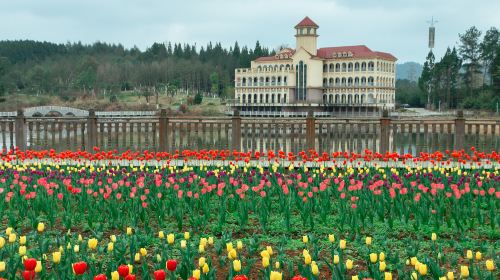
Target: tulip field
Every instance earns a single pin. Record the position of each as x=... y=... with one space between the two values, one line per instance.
x=234 y=215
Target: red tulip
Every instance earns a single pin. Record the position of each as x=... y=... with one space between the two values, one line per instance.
x=79 y=268
x=29 y=264
x=130 y=277
x=160 y=274
x=100 y=277
x=299 y=277
x=171 y=265
x=240 y=277
x=123 y=270
x=29 y=274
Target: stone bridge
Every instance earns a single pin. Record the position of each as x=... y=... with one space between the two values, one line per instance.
x=61 y=111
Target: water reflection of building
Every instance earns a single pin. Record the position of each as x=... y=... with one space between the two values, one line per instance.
x=331 y=81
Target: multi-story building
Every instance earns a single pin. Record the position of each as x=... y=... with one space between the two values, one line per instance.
x=329 y=81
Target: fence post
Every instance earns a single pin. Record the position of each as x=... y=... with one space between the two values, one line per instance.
x=163 y=130
x=385 y=132
x=91 y=131
x=20 y=130
x=236 y=131
x=459 y=130
x=310 y=131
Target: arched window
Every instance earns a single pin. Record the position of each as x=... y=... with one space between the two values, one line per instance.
x=272 y=98
x=324 y=82
x=344 y=67
x=356 y=81
x=363 y=81
x=337 y=98
x=279 y=80
x=362 y=98
x=330 y=82
x=255 y=98
x=337 y=82
x=370 y=81
x=324 y=98
x=279 y=98
x=255 y=81
x=371 y=66
x=267 y=98
x=349 y=99
x=343 y=99
x=337 y=67
x=259 y=68
x=261 y=98
x=356 y=66
x=344 y=81
x=349 y=81
x=349 y=67
x=363 y=66
x=356 y=98
x=331 y=67
x=244 y=98
x=287 y=67
x=325 y=68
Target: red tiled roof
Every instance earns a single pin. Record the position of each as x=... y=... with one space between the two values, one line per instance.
x=357 y=52
x=306 y=22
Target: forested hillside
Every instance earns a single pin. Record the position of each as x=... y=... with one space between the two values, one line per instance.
x=75 y=69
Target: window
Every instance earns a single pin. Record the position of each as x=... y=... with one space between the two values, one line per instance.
x=301 y=78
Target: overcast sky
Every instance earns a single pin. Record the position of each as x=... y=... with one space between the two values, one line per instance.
x=395 y=26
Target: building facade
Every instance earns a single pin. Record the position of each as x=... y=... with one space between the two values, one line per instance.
x=332 y=81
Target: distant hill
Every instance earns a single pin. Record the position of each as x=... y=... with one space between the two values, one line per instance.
x=408 y=71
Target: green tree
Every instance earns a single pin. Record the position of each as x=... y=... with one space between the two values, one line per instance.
x=426 y=80
x=214 y=83
x=470 y=52
x=489 y=47
x=198 y=98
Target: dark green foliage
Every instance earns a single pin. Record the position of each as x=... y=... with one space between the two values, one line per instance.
x=48 y=68
x=198 y=98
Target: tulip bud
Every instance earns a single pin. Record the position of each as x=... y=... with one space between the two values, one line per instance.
x=196 y=274
x=331 y=238
x=76 y=248
x=434 y=236
x=265 y=262
x=373 y=257
x=40 y=227
x=129 y=231
x=450 y=275
x=206 y=269
x=201 y=262
x=161 y=235
x=342 y=244
x=186 y=235
x=237 y=265
x=464 y=271
x=336 y=259
x=158 y=257
x=314 y=269
x=22 y=240
x=382 y=266
x=183 y=244
x=368 y=241
x=469 y=254
x=113 y=238
x=349 y=264
x=137 y=257
x=56 y=257
x=2 y=266
x=111 y=246
x=277 y=265
x=490 y=265
x=381 y=256
x=478 y=256
x=269 y=249
x=170 y=238
x=38 y=267
x=22 y=250
x=387 y=276
x=201 y=248
x=355 y=277
x=143 y=252
x=239 y=245
x=211 y=240
x=2 y=242
x=305 y=239
x=307 y=259
x=12 y=237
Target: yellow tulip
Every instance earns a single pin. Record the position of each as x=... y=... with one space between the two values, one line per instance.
x=206 y=269
x=80 y=238
x=237 y=265
x=111 y=246
x=201 y=248
x=8 y=230
x=183 y=244
x=76 y=248
x=12 y=237
x=336 y=259
x=40 y=227
x=305 y=239
x=414 y=276
x=129 y=231
x=2 y=242
x=201 y=262
x=170 y=238
x=450 y=275
x=413 y=260
x=232 y=254
x=22 y=250
x=92 y=243
x=277 y=265
x=443 y=278
x=387 y=276
x=373 y=257
x=381 y=256
x=355 y=277
x=343 y=244
x=143 y=252
x=115 y=275
x=368 y=240
x=307 y=259
x=211 y=240
x=239 y=245
x=22 y=240
x=186 y=235
x=203 y=241
x=137 y=257
x=2 y=266
x=265 y=254
x=382 y=266
x=269 y=249
x=161 y=235
x=158 y=257
x=434 y=236
x=464 y=271
x=229 y=246
x=331 y=238
x=56 y=257
x=196 y=274
x=469 y=254
x=275 y=275
x=113 y=238
x=349 y=264
x=478 y=256
x=38 y=267
x=422 y=269
x=265 y=262
x=490 y=265
x=130 y=268
x=314 y=269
